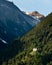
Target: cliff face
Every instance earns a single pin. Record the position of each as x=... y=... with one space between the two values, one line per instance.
x=13 y=22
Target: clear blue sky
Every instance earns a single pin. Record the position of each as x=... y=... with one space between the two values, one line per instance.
x=42 y=6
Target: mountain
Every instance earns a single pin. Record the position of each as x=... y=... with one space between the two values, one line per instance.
x=35 y=14
x=13 y=22
x=40 y=39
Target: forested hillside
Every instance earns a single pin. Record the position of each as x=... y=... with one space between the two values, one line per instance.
x=20 y=52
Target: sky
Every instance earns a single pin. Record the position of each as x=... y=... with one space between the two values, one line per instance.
x=42 y=6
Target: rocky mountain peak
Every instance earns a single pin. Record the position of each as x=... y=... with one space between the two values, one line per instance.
x=35 y=14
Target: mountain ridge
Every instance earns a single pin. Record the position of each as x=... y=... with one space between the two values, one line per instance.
x=40 y=38
x=13 y=22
